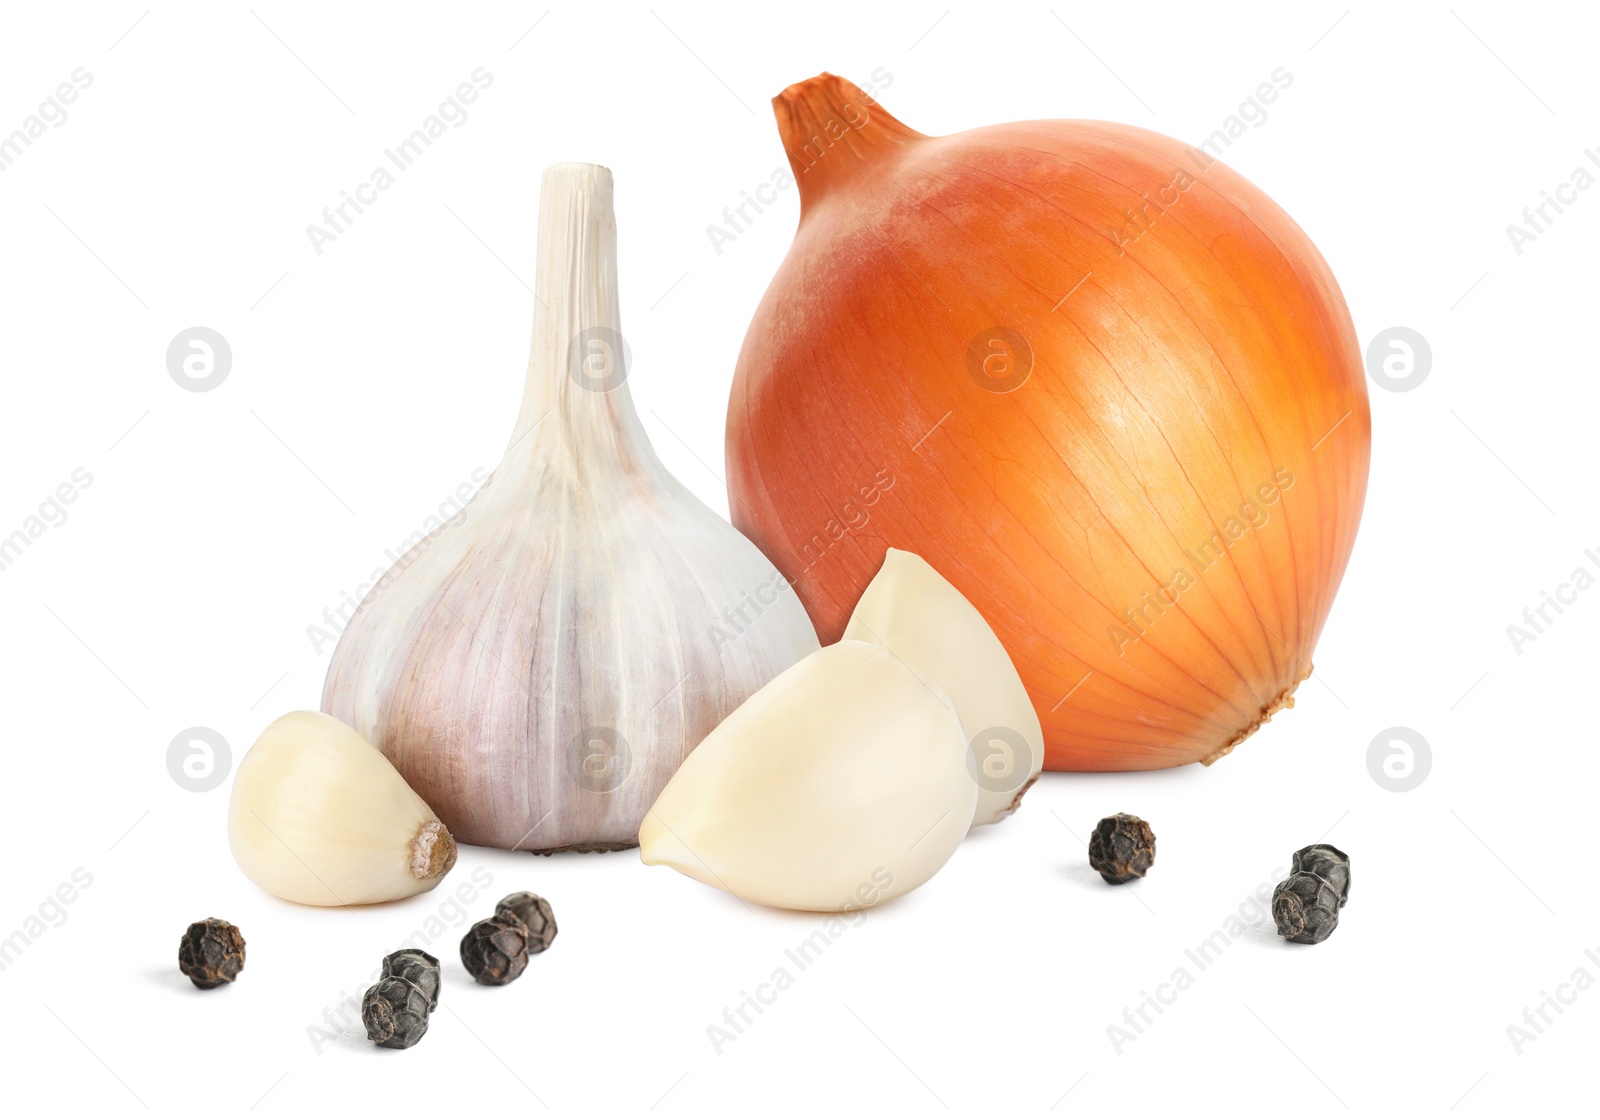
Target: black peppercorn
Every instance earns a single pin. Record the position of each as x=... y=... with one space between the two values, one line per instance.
x=211 y=953
x=533 y=912
x=495 y=951
x=395 y=1009
x=420 y=969
x=1122 y=848
x=395 y=1012
x=1327 y=862
x=1306 y=905
x=1306 y=908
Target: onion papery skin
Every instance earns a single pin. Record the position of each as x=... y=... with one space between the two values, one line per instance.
x=1193 y=404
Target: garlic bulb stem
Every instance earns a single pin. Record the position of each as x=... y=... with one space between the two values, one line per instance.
x=577 y=363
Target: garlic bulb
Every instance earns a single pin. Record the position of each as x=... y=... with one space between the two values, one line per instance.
x=839 y=785
x=318 y=816
x=539 y=668
x=914 y=611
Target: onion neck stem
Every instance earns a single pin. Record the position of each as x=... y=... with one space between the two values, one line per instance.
x=834 y=133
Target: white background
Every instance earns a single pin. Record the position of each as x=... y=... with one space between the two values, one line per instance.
x=369 y=381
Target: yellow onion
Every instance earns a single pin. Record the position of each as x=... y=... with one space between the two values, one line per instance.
x=1100 y=382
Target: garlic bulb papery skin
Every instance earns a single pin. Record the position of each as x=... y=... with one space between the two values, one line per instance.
x=319 y=816
x=540 y=667
x=925 y=621
x=841 y=784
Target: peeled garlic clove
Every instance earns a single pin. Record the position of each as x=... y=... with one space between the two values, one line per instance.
x=319 y=816
x=539 y=666
x=839 y=785
x=925 y=621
